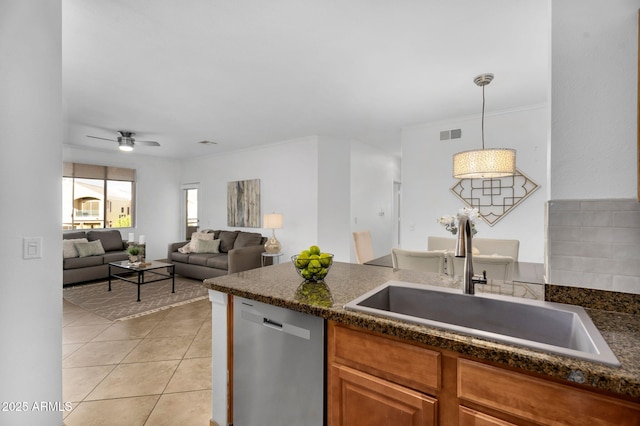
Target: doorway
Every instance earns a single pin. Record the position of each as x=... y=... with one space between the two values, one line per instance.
x=190 y=209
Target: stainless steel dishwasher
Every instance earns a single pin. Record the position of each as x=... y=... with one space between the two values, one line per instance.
x=278 y=366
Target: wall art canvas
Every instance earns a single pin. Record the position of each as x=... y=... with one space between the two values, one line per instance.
x=243 y=203
x=495 y=197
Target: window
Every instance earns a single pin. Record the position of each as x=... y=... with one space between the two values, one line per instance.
x=97 y=196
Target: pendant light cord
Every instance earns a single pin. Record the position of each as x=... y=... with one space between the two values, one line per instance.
x=483 y=116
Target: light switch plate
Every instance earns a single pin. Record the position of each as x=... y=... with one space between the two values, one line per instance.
x=32 y=247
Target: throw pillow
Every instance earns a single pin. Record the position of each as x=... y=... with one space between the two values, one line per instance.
x=69 y=249
x=206 y=246
x=202 y=235
x=228 y=238
x=247 y=239
x=91 y=248
x=188 y=248
x=185 y=249
x=111 y=240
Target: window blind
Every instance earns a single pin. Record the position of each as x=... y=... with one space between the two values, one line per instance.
x=92 y=171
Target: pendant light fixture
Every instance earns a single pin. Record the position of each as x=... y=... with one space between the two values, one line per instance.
x=484 y=163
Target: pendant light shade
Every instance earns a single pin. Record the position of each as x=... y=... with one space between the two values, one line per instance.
x=484 y=163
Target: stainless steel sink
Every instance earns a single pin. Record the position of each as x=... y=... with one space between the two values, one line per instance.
x=552 y=327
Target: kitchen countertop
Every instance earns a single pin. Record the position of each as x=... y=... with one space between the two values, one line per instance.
x=280 y=285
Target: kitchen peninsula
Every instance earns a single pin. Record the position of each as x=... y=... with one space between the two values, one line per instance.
x=457 y=378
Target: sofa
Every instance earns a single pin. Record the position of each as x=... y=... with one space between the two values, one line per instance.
x=86 y=254
x=212 y=253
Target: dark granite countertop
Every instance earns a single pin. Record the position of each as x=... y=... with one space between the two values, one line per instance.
x=280 y=285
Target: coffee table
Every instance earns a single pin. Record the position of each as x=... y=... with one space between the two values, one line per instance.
x=138 y=271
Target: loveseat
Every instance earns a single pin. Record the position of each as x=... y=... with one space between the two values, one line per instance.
x=86 y=254
x=212 y=253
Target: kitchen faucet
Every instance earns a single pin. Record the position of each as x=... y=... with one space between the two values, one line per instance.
x=464 y=248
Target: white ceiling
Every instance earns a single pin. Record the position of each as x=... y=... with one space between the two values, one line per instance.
x=249 y=72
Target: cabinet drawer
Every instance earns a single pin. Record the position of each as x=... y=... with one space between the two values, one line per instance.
x=538 y=400
x=469 y=417
x=394 y=360
x=357 y=398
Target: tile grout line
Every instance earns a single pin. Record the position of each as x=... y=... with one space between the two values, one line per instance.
x=175 y=371
x=203 y=320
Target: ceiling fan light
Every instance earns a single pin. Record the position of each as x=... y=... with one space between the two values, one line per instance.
x=484 y=163
x=125 y=144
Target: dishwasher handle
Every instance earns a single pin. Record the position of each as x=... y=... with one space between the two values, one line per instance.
x=294 y=330
x=271 y=324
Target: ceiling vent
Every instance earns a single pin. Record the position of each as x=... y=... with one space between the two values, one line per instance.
x=446 y=135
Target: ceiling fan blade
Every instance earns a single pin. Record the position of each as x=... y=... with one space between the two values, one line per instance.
x=104 y=139
x=148 y=143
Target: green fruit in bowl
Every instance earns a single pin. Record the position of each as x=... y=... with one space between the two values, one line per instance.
x=312 y=264
x=325 y=259
x=321 y=273
x=302 y=262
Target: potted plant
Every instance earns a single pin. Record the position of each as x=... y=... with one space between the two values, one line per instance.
x=133 y=251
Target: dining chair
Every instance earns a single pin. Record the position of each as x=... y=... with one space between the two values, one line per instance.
x=497 y=246
x=481 y=246
x=440 y=243
x=497 y=267
x=363 y=246
x=429 y=261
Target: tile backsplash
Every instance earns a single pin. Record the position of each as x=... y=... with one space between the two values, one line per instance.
x=594 y=244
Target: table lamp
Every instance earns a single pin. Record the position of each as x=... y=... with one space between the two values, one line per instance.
x=272 y=221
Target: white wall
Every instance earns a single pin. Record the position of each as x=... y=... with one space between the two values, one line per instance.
x=334 y=195
x=158 y=204
x=593 y=214
x=427 y=168
x=372 y=175
x=307 y=180
x=594 y=99
x=30 y=170
x=288 y=174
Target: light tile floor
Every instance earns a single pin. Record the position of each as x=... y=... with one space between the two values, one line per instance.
x=151 y=370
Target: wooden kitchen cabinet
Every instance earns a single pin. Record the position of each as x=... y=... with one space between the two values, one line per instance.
x=539 y=400
x=469 y=417
x=374 y=379
x=359 y=398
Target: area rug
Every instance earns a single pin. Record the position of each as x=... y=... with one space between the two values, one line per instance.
x=120 y=303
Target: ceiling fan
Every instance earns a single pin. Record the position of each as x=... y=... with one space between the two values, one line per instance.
x=126 y=140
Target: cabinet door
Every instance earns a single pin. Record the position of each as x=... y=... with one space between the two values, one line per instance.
x=357 y=398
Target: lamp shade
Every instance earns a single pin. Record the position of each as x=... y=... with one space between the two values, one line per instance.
x=272 y=221
x=484 y=163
